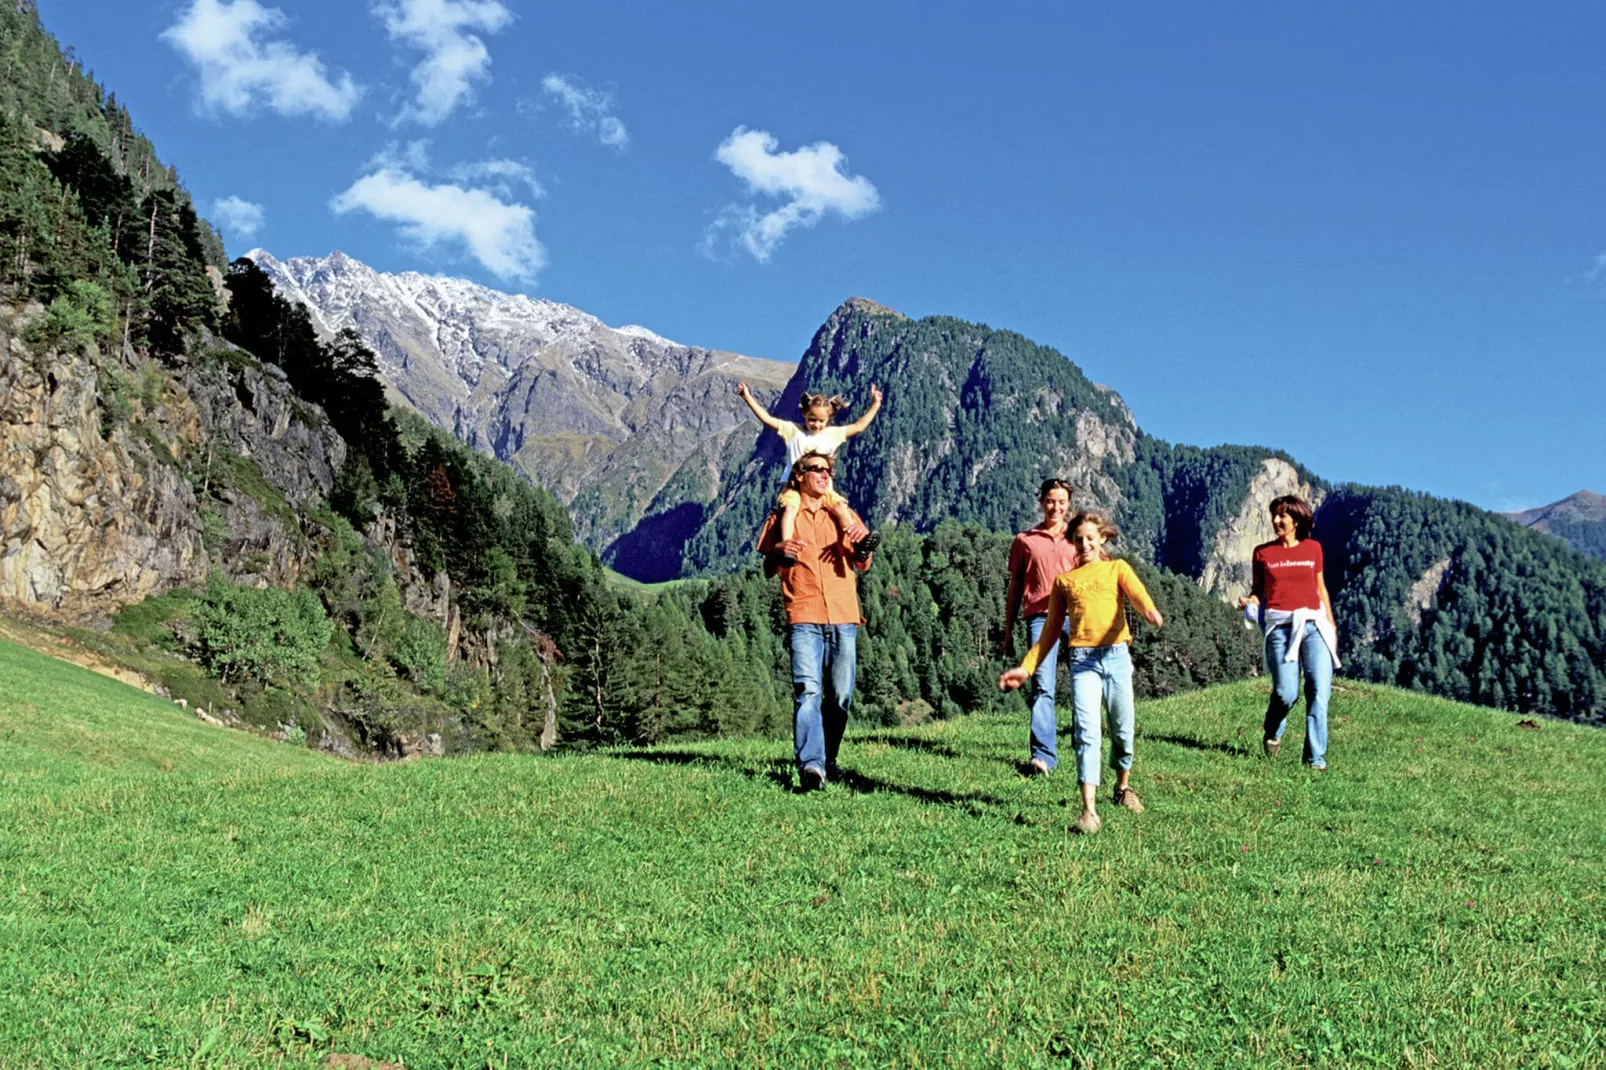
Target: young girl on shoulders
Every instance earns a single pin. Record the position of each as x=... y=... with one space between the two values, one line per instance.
x=817 y=435
x=1092 y=598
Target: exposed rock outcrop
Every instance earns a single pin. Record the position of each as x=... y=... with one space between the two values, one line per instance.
x=120 y=481
x=1227 y=566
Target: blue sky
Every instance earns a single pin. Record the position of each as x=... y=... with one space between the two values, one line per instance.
x=1369 y=234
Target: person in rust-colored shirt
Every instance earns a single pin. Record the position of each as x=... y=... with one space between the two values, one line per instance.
x=819 y=588
x=1037 y=557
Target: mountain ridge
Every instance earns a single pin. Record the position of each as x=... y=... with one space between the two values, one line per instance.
x=578 y=405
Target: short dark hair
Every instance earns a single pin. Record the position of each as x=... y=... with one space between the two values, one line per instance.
x=1055 y=484
x=1299 y=509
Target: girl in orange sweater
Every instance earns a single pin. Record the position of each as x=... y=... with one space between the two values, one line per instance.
x=1101 y=667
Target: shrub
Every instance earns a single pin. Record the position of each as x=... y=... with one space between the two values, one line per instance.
x=421 y=653
x=246 y=633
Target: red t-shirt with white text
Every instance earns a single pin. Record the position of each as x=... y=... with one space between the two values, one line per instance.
x=1285 y=576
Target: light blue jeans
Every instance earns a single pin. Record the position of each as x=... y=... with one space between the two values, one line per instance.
x=824 y=665
x=1318 y=667
x=1044 y=732
x=1101 y=674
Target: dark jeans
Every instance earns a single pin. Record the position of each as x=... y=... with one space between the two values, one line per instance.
x=824 y=665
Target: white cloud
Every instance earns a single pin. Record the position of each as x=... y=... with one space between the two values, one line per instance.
x=500 y=175
x=239 y=67
x=812 y=180
x=1596 y=275
x=237 y=216
x=454 y=58
x=490 y=227
x=590 y=110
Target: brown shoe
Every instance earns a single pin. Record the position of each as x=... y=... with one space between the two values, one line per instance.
x=1088 y=823
x=1271 y=747
x=1128 y=798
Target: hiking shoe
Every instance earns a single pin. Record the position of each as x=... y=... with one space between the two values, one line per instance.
x=1322 y=768
x=1088 y=823
x=787 y=560
x=812 y=778
x=1271 y=747
x=1038 y=767
x=1128 y=798
x=866 y=546
x=833 y=771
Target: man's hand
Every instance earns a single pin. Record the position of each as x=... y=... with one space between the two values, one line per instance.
x=1012 y=679
x=1246 y=600
x=855 y=532
x=793 y=547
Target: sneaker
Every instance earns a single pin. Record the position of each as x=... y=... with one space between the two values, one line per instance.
x=1271 y=747
x=833 y=771
x=1088 y=823
x=1128 y=798
x=866 y=546
x=812 y=778
x=1322 y=768
x=1039 y=767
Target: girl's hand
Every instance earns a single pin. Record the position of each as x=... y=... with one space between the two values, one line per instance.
x=875 y=393
x=1012 y=679
x=1154 y=618
x=741 y=388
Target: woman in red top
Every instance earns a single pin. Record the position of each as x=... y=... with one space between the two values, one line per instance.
x=1296 y=617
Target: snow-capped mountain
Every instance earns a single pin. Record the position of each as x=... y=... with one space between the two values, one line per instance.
x=604 y=417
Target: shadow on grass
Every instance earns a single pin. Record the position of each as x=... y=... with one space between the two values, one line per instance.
x=929 y=746
x=1197 y=744
x=779 y=772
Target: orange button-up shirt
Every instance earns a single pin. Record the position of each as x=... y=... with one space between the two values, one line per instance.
x=821 y=588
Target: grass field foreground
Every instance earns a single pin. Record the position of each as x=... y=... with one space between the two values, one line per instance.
x=180 y=895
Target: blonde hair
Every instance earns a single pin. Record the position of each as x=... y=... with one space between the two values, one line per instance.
x=1106 y=527
x=835 y=402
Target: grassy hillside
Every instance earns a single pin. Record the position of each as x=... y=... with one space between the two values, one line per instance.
x=181 y=895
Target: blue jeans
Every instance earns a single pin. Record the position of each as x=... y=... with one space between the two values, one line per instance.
x=1318 y=666
x=1044 y=733
x=1101 y=674
x=824 y=665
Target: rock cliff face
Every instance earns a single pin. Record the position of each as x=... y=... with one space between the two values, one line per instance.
x=100 y=464
x=605 y=418
x=1226 y=568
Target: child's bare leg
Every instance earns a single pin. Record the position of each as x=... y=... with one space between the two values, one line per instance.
x=845 y=519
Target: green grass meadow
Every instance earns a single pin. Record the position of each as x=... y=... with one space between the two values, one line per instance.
x=177 y=895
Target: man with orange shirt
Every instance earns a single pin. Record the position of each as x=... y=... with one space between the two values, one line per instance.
x=820 y=591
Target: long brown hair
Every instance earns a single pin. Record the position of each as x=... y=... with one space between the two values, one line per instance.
x=1106 y=526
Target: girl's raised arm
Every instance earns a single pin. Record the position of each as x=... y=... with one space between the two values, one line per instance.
x=760 y=411
x=858 y=426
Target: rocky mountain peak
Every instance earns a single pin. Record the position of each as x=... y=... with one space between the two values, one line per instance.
x=575 y=403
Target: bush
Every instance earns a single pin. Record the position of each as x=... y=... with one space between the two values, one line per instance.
x=75 y=319
x=421 y=653
x=264 y=635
